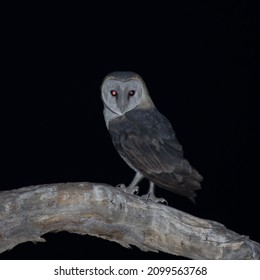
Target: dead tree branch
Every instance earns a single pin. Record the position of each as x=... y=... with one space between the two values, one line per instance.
x=107 y=212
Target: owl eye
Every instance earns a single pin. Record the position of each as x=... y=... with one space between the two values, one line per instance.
x=131 y=93
x=113 y=92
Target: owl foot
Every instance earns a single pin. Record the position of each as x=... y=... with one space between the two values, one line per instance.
x=131 y=189
x=151 y=196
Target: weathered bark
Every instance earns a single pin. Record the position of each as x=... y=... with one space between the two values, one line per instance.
x=107 y=212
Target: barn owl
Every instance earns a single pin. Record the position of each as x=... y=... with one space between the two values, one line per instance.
x=144 y=138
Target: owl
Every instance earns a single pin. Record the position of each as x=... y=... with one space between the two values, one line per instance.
x=144 y=138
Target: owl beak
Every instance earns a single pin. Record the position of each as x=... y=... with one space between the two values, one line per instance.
x=122 y=105
x=123 y=109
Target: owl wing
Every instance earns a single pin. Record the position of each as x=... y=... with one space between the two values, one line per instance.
x=147 y=141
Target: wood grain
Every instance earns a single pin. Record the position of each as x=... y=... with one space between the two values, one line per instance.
x=107 y=212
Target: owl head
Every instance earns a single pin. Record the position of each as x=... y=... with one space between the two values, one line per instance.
x=124 y=91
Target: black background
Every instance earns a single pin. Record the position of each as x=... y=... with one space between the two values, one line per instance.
x=200 y=62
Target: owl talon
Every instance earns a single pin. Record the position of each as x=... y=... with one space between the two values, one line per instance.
x=134 y=189
x=121 y=186
x=151 y=196
x=130 y=189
